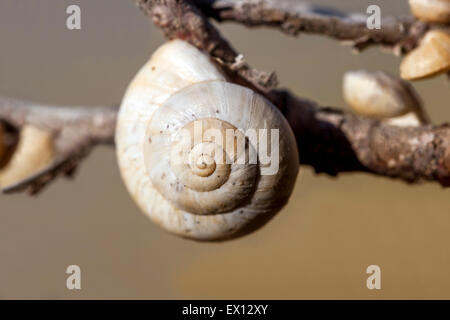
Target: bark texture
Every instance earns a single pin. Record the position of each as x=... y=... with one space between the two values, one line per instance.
x=293 y=17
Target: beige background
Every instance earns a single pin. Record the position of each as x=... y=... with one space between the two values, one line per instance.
x=318 y=247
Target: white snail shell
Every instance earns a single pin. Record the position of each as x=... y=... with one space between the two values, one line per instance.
x=431 y=10
x=384 y=97
x=204 y=197
x=430 y=58
x=34 y=152
x=2 y=143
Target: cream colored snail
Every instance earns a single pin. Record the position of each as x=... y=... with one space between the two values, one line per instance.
x=383 y=96
x=430 y=58
x=431 y=10
x=34 y=151
x=2 y=143
x=201 y=187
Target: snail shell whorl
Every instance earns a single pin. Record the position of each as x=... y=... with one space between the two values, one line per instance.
x=194 y=186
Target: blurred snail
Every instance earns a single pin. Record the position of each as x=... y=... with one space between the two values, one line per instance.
x=174 y=157
x=385 y=97
x=34 y=151
x=8 y=143
x=430 y=58
x=431 y=10
x=2 y=143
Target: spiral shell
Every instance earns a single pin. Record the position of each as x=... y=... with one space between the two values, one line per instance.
x=192 y=148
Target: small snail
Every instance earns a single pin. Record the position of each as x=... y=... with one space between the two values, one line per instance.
x=2 y=143
x=8 y=143
x=383 y=96
x=430 y=58
x=34 y=151
x=175 y=160
x=431 y=10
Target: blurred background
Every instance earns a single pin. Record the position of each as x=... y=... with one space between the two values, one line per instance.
x=319 y=246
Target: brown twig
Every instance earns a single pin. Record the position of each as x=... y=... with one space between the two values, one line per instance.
x=182 y=20
x=399 y=35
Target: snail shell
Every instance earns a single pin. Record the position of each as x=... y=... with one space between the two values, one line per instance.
x=431 y=10
x=382 y=96
x=34 y=151
x=2 y=143
x=184 y=139
x=430 y=58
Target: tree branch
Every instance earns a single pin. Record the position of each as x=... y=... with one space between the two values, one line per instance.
x=182 y=20
x=332 y=141
x=399 y=35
